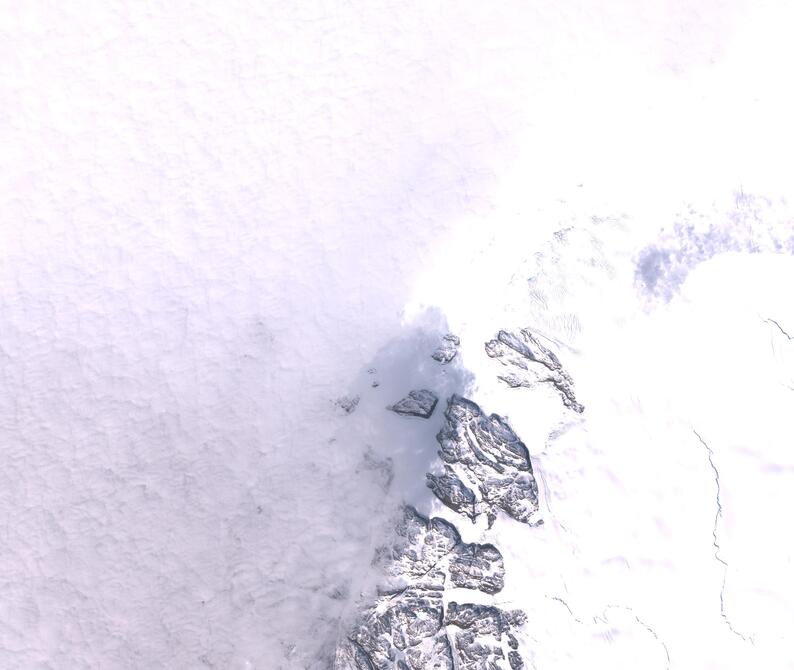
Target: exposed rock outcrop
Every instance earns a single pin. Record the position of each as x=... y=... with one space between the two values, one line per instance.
x=407 y=626
x=481 y=636
x=428 y=551
x=453 y=492
x=447 y=350
x=484 y=450
x=477 y=566
x=530 y=363
x=348 y=403
x=416 y=403
x=405 y=623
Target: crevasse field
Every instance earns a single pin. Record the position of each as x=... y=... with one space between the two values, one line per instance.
x=219 y=219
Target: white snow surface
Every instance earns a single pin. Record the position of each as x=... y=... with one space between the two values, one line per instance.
x=217 y=218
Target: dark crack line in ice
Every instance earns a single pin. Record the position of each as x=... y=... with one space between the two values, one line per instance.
x=780 y=328
x=604 y=620
x=566 y=605
x=645 y=626
x=717 y=516
x=715 y=542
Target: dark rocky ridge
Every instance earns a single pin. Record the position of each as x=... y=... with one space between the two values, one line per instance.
x=447 y=350
x=407 y=627
x=485 y=451
x=454 y=493
x=481 y=636
x=416 y=403
x=530 y=363
x=426 y=552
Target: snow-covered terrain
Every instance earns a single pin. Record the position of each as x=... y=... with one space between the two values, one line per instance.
x=233 y=234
